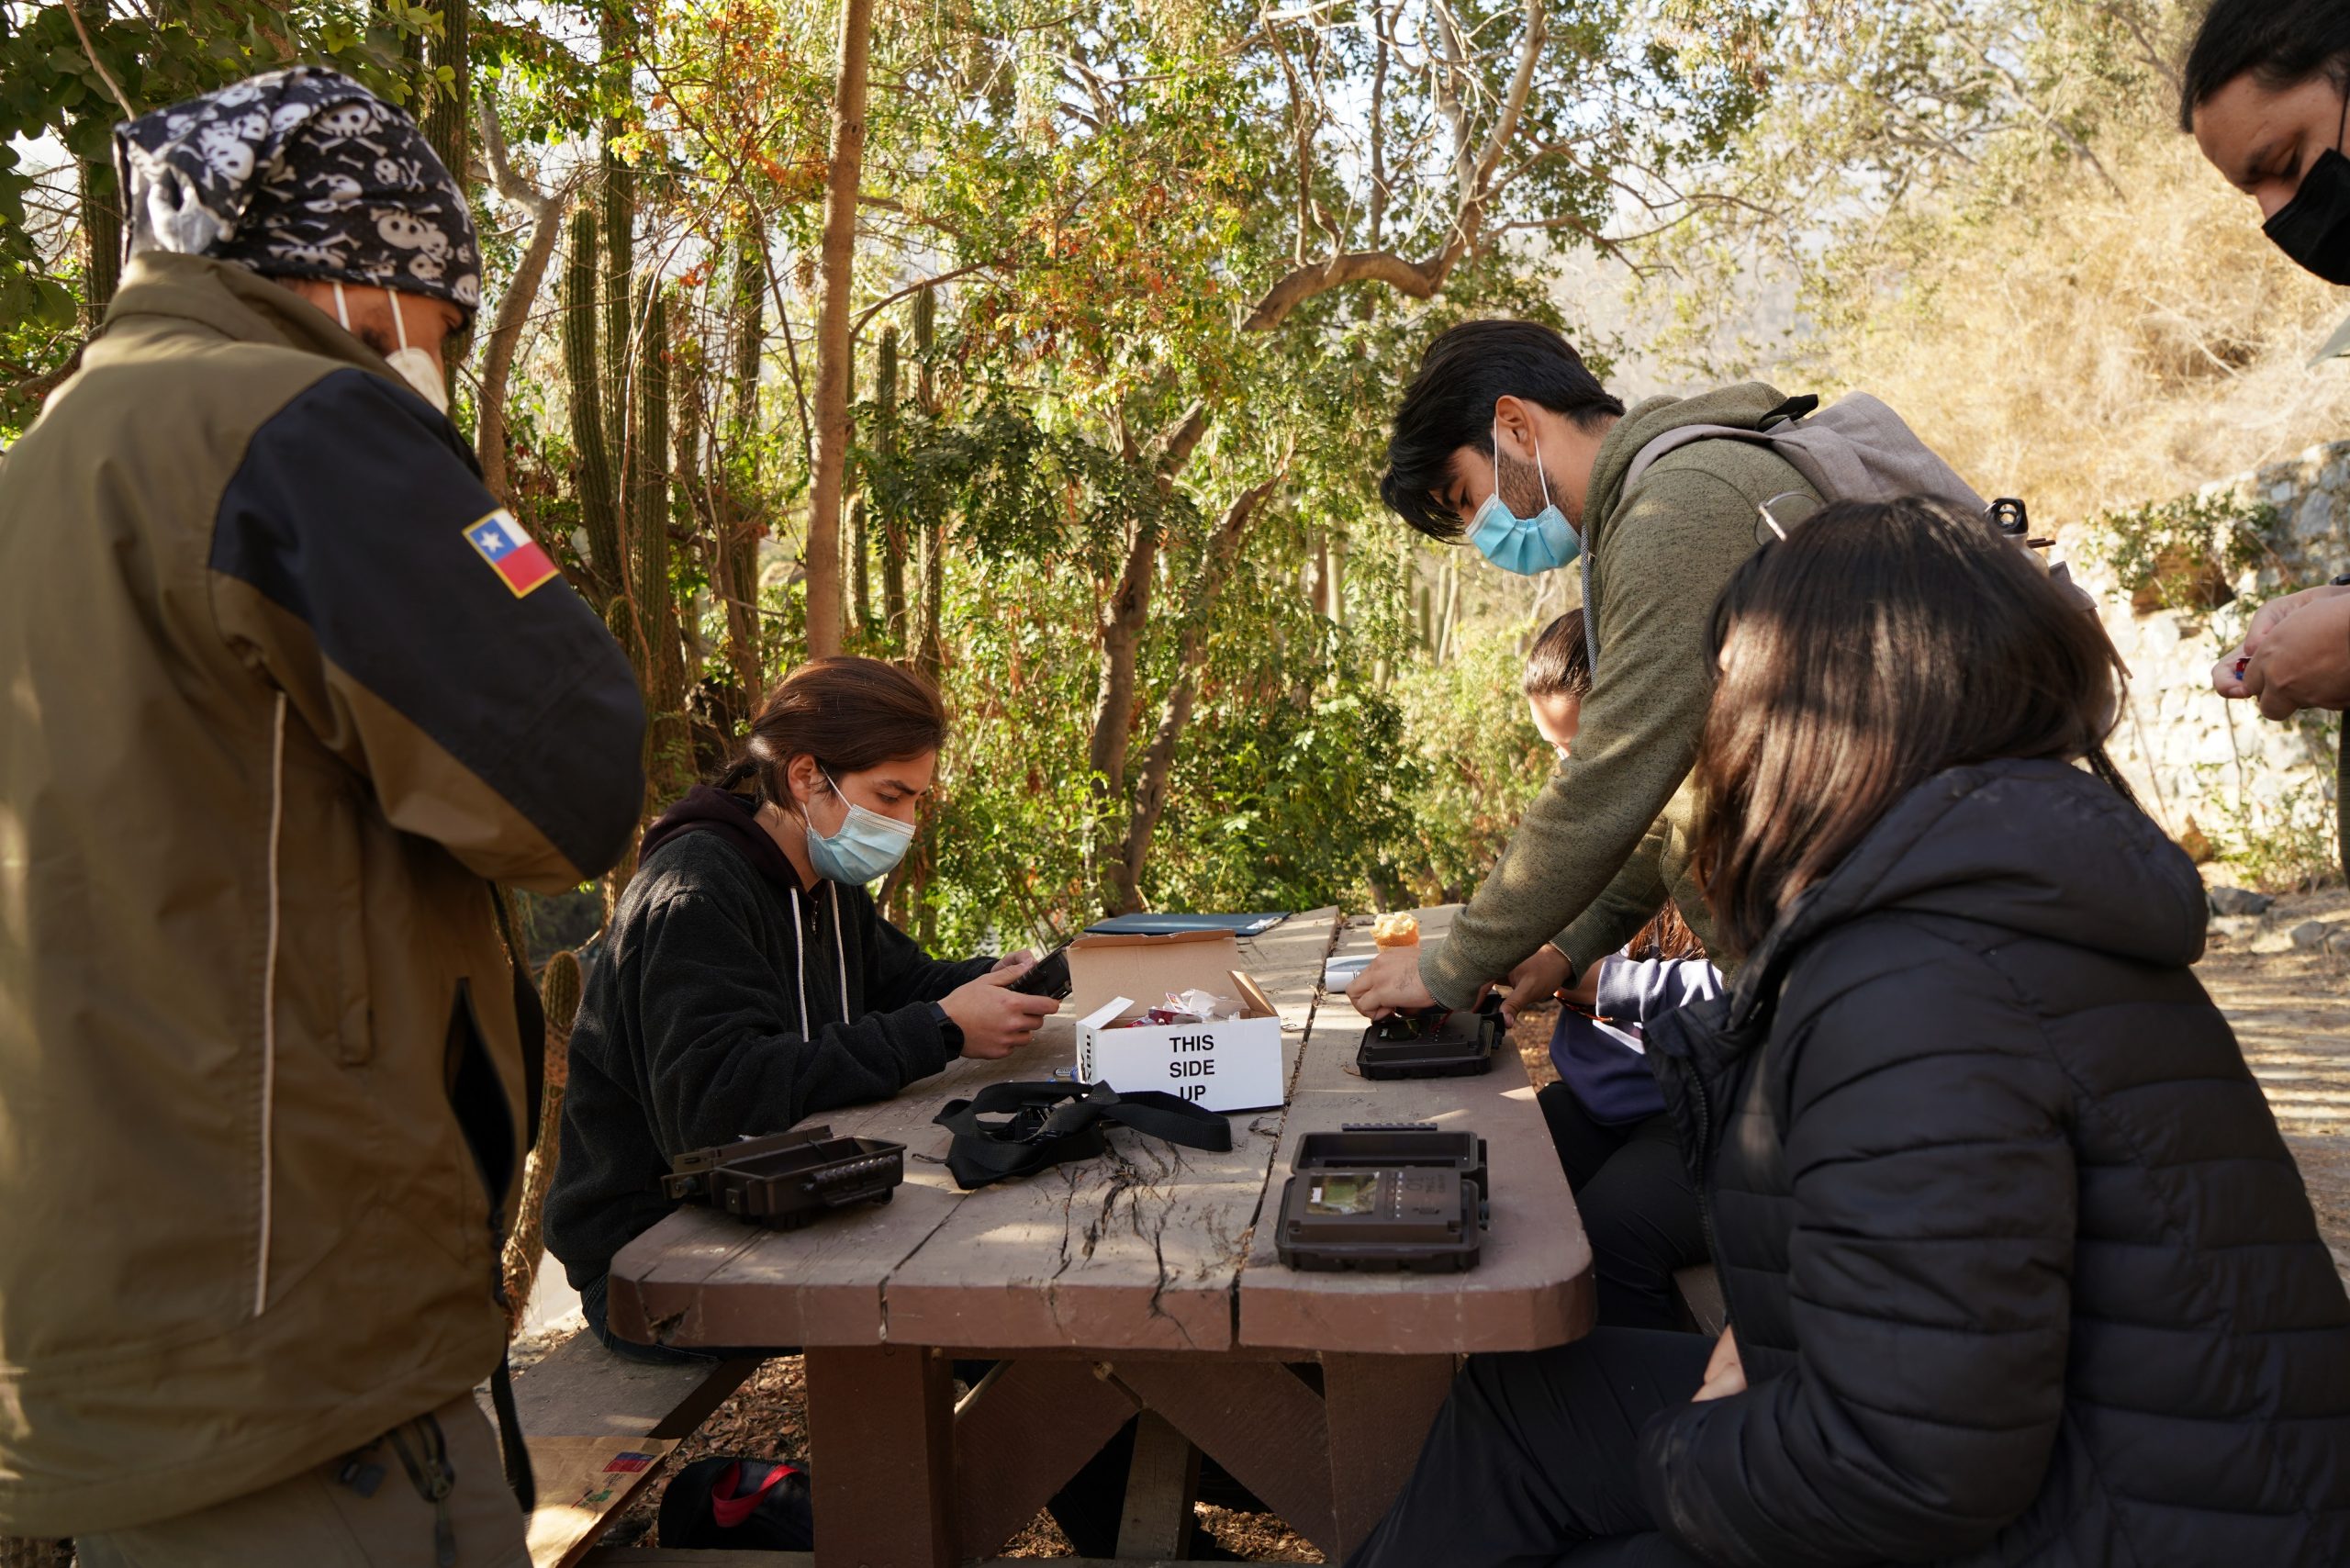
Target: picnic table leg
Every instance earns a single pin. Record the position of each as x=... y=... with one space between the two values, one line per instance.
x=880 y=1420
x=1161 y=1484
x=1380 y=1409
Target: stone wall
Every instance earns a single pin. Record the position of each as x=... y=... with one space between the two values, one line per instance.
x=2261 y=792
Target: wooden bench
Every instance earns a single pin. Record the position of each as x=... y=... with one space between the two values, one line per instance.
x=580 y=1405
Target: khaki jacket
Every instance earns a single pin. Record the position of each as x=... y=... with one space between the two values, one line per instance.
x=278 y=708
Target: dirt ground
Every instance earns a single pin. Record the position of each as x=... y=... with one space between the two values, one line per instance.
x=2291 y=1006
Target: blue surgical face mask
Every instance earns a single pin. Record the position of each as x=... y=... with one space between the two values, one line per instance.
x=1543 y=543
x=867 y=845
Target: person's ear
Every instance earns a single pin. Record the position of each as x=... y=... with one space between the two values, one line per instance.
x=804 y=779
x=1514 y=427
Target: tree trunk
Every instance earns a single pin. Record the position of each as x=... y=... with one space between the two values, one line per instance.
x=448 y=114
x=505 y=340
x=832 y=347
x=738 y=547
x=1175 y=713
x=590 y=429
x=893 y=527
x=1124 y=621
x=525 y=1244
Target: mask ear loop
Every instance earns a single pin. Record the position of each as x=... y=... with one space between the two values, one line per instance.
x=400 y=320
x=341 y=310
x=1540 y=476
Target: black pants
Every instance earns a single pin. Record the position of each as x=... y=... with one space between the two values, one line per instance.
x=1531 y=1461
x=1638 y=1207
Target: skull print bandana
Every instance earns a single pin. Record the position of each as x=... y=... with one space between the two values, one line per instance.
x=301 y=173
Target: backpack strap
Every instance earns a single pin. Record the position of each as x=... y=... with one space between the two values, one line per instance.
x=1689 y=435
x=1040 y=1124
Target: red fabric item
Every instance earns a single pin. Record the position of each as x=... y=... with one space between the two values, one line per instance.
x=731 y=1510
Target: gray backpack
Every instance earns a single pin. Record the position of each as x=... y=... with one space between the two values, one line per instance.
x=1856 y=450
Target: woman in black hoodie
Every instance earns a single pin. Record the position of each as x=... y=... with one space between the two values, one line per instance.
x=2019 y=1269
x=747 y=979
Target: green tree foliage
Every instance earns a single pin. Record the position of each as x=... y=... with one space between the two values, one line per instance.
x=1136 y=290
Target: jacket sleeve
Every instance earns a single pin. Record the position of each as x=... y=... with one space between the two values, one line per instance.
x=359 y=565
x=1639 y=730
x=1629 y=902
x=1929 y=1283
x=725 y=1055
x=899 y=973
x=1633 y=990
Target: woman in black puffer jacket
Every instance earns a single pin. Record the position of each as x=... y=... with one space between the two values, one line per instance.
x=2019 y=1269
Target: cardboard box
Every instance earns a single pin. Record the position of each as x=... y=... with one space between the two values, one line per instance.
x=1230 y=1064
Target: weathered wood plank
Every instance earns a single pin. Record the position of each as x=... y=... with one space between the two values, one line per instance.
x=581 y=1390
x=1162 y=1482
x=701 y=1278
x=882 y=1419
x=1140 y=1248
x=1379 y=1408
x=1020 y=1435
x=1532 y=1285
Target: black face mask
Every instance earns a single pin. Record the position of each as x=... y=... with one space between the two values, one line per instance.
x=2313 y=228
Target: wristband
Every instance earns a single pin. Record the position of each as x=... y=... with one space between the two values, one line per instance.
x=949 y=1030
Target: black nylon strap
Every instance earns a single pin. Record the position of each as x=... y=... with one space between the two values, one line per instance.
x=1044 y=1124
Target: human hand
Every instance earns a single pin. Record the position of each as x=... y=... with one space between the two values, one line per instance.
x=1534 y=982
x=2295 y=654
x=1019 y=960
x=1725 y=1376
x=1391 y=983
x=995 y=1022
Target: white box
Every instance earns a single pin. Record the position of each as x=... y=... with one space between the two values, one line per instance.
x=1230 y=1064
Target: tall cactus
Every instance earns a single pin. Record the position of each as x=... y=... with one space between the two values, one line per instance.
x=930 y=649
x=559 y=991
x=668 y=763
x=584 y=368
x=893 y=524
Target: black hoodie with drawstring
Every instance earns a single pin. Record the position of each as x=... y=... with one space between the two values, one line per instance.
x=731 y=1000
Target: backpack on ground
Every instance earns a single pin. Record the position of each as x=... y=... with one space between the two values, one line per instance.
x=750 y=1504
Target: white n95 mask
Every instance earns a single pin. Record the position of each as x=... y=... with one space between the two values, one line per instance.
x=413 y=365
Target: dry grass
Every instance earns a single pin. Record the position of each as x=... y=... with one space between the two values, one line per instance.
x=2085 y=352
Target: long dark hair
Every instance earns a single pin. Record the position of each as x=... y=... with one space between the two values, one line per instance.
x=848 y=713
x=1881 y=644
x=2282 y=42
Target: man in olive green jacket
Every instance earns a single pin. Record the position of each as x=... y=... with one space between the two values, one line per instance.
x=287 y=690
x=1507 y=439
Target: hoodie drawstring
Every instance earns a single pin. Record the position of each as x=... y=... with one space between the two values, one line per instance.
x=800 y=957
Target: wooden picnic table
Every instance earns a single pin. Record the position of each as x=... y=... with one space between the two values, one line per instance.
x=1145 y=1280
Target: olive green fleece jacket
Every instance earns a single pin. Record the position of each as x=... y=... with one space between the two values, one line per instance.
x=1609 y=839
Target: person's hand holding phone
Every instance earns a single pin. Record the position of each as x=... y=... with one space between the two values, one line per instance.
x=996 y=1021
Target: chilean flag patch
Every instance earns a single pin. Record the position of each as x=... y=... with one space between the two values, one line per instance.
x=517 y=556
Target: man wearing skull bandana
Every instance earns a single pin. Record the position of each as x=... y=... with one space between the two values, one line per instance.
x=2266 y=94
x=289 y=690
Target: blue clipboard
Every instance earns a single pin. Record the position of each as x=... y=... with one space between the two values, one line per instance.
x=1176 y=924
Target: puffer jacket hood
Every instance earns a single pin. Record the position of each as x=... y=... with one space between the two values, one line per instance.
x=2039 y=848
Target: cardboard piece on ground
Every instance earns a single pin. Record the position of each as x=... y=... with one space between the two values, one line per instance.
x=582 y=1482
x=1229 y=1064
